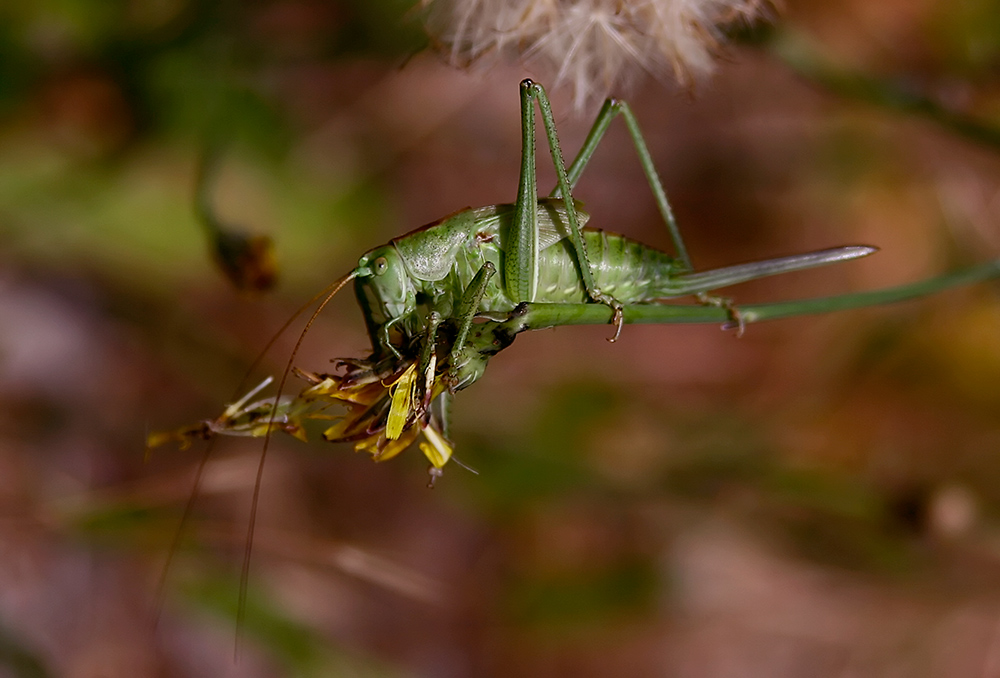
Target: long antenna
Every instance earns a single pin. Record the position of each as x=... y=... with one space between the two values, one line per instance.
x=248 y=549
x=335 y=286
x=161 y=586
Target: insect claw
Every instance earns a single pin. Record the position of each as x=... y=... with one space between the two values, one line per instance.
x=618 y=319
x=434 y=472
x=736 y=320
x=737 y=325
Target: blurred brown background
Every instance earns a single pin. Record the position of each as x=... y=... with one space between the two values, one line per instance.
x=818 y=498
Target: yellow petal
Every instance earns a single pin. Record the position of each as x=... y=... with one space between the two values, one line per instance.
x=355 y=421
x=402 y=398
x=324 y=387
x=361 y=394
x=392 y=448
x=338 y=430
x=383 y=449
x=369 y=445
x=438 y=452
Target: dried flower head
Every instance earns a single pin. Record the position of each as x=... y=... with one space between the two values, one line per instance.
x=592 y=45
x=383 y=416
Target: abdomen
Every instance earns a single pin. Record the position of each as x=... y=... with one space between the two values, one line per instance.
x=627 y=270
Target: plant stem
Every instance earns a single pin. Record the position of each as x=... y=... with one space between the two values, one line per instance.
x=541 y=316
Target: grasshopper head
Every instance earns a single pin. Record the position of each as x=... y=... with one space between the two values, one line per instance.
x=384 y=285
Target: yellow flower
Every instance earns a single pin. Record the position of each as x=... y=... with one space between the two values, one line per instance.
x=386 y=417
x=383 y=413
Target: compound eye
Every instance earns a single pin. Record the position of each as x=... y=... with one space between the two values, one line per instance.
x=380 y=266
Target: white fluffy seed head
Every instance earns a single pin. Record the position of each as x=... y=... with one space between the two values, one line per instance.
x=593 y=46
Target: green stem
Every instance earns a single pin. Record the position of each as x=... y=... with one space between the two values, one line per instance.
x=541 y=316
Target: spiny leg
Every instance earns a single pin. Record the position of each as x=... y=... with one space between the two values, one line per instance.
x=465 y=313
x=608 y=112
x=410 y=393
x=528 y=230
x=428 y=359
x=610 y=109
x=385 y=340
x=521 y=252
x=469 y=304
